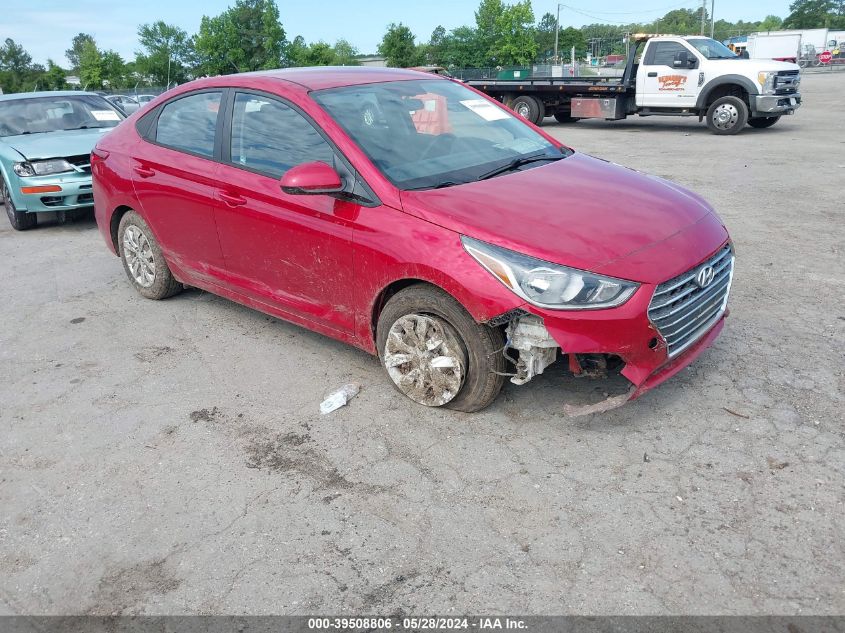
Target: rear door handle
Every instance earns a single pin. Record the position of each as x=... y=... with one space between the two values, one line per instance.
x=652 y=74
x=144 y=172
x=232 y=200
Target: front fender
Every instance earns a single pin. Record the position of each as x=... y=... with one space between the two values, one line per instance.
x=750 y=87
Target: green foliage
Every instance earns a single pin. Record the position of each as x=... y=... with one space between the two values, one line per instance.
x=816 y=14
x=167 y=54
x=771 y=23
x=398 y=46
x=74 y=53
x=435 y=51
x=245 y=37
x=16 y=67
x=55 y=77
x=345 y=54
x=462 y=49
x=298 y=53
x=113 y=70
x=514 y=42
x=90 y=66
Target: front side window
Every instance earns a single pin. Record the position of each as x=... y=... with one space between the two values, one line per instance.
x=38 y=115
x=664 y=53
x=189 y=123
x=271 y=137
x=711 y=49
x=432 y=133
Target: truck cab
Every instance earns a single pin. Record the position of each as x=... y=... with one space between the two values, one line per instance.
x=700 y=76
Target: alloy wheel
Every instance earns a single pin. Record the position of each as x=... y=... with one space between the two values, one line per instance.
x=138 y=253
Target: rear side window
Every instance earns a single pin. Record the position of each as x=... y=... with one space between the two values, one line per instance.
x=664 y=53
x=270 y=137
x=189 y=123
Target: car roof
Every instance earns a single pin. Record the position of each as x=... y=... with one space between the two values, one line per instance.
x=46 y=93
x=322 y=77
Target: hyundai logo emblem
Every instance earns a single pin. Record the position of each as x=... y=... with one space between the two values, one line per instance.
x=704 y=277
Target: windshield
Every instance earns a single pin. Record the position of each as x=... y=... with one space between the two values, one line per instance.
x=712 y=49
x=433 y=133
x=52 y=114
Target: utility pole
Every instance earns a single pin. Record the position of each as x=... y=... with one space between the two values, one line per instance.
x=703 y=15
x=712 y=18
x=557 y=32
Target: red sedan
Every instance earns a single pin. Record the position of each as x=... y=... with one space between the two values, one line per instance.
x=417 y=219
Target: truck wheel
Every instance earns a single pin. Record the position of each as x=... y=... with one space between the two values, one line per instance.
x=763 y=121
x=20 y=220
x=563 y=117
x=528 y=108
x=436 y=354
x=727 y=115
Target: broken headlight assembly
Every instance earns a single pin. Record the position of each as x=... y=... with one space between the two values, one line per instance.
x=548 y=285
x=43 y=167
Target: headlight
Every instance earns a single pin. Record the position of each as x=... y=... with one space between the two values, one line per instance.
x=767 y=81
x=43 y=167
x=548 y=285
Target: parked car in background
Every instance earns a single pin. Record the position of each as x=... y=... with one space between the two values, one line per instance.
x=145 y=99
x=45 y=145
x=452 y=238
x=124 y=102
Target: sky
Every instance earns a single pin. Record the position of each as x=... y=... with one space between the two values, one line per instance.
x=45 y=27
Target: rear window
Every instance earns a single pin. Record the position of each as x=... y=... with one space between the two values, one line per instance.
x=189 y=123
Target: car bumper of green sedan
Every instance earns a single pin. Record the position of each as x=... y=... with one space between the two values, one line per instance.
x=61 y=192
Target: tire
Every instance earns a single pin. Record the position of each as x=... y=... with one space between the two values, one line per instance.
x=476 y=349
x=727 y=115
x=563 y=117
x=763 y=121
x=20 y=220
x=528 y=108
x=138 y=249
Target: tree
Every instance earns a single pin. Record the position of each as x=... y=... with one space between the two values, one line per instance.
x=568 y=38
x=488 y=24
x=247 y=36
x=398 y=46
x=55 y=77
x=771 y=23
x=815 y=14
x=113 y=70
x=167 y=53
x=90 y=66
x=463 y=49
x=320 y=54
x=436 y=49
x=514 y=43
x=544 y=35
x=296 y=52
x=345 y=54
x=74 y=53
x=15 y=67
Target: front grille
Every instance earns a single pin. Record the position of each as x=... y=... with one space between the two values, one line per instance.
x=82 y=161
x=786 y=82
x=683 y=311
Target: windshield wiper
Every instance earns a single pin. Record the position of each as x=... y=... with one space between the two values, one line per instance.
x=517 y=163
x=439 y=185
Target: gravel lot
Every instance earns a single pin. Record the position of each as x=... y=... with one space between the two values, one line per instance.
x=169 y=457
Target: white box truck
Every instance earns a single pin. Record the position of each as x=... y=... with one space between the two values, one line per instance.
x=783 y=47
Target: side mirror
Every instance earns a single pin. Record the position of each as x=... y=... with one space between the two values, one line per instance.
x=311 y=179
x=683 y=60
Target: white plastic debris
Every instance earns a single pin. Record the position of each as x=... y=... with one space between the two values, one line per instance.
x=339 y=397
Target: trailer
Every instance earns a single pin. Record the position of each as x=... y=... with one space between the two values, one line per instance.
x=784 y=47
x=663 y=76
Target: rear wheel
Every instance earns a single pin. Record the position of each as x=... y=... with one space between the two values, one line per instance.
x=727 y=115
x=436 y=354
x=763 y=121
x=20 y=220
x=142 y=259
x=528 y=108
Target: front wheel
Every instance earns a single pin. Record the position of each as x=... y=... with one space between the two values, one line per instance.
x=436 y=354
x=142 y=259
x=20 y=220
x=763 y=121
x=727 y=115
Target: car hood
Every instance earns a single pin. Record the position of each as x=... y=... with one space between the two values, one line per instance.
x=581 y=212
x=748 y=67
x=55 y=144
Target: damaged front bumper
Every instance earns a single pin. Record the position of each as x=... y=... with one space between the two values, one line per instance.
x=625 y=332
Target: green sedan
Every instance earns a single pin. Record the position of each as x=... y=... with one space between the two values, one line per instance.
x=46 y=140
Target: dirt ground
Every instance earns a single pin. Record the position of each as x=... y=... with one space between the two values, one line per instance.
x=169 y=457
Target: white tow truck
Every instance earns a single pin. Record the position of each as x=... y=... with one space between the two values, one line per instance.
x=665 y=75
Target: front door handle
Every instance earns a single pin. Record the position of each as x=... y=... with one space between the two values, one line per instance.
x=144 y=172
x=232 y=200
x=654 y=74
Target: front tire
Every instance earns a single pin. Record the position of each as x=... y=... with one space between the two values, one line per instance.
x=763 y=121
x=436 y=354
x=727 y=115
x=20 y=220
x=142 y=259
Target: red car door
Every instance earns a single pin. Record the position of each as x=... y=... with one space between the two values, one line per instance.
x=174 y=174
x=290 y=251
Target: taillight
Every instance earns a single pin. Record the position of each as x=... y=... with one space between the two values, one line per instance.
x=98 y=153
